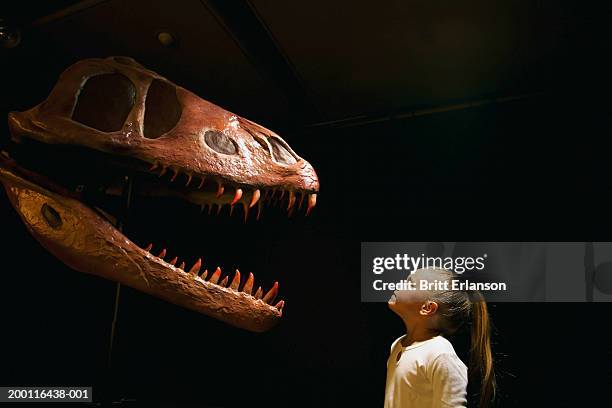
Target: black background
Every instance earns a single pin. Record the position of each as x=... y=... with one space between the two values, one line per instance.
x=528 y=170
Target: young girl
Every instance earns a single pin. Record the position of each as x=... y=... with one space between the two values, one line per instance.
x=423 y=369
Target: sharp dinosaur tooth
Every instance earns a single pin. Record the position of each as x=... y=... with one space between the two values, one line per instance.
x=219 y=206
x=162 y=254
x=189 y=177
x=269 y=298
x=154 y=166
x=149 y=248
x=280 y=305
x=236 y=281
x=164 y=169
x=176 y=173
x=215 y=276
x=202 y=180
x=204 y=274
x=237 y=196
x=195 y=269
x=231 y=210
x=258 y=293
x=182 y=266
x=173 y=261
x=312 y=201
x=248 y=285
x=209 y=208
x=259 y=211
x=291 y=200
x=282 y=195
x=220 y=190
x=224 y=281
x=256 y=195
x=302 y=195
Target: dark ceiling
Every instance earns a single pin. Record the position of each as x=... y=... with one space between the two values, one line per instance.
x=292 y=64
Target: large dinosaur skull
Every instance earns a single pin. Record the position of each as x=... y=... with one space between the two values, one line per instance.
x=117 y=107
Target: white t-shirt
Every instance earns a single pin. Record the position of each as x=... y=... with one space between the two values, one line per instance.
x=429 y=374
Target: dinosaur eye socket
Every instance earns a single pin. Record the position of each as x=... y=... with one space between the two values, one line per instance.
x=219 y=142
x=51 y=216
x=280 y=152
x=162 y=109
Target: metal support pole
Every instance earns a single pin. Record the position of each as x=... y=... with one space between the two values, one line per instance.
x=128 y=184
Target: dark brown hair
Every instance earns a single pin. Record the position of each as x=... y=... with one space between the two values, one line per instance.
x=456 y=307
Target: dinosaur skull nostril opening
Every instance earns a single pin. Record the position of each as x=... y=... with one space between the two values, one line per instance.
x=51 y=216
x=220 y=142
x=261 y=142
x=280 y=152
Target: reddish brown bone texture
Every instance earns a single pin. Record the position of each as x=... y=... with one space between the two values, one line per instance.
x=183 y=133
x=183 y=147
x=88 y=243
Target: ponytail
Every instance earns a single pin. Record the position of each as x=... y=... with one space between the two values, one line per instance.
x=457 y=307
x=481 y=358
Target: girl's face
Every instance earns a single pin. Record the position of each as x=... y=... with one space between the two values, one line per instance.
x=407 y=303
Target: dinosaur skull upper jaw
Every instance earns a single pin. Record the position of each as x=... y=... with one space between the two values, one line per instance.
x=202 y=146
x=200 y=140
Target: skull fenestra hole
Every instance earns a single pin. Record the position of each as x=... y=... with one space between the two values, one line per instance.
x=280 y=152
x=275 y=147
x=220 y=142
x=162 y=109
x=104 y=102
x=51 y=216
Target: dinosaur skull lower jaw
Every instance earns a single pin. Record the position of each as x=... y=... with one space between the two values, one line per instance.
x=84 y=240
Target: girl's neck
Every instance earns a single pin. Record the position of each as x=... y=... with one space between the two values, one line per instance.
x=418 y=333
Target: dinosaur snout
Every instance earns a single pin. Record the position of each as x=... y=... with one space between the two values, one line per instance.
x=308 y=177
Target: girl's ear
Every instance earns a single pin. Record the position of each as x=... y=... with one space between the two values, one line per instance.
x=428 y=308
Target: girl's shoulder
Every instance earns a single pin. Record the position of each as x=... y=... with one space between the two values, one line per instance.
x=438 y=358
x=435 y=347
x=441 y=345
